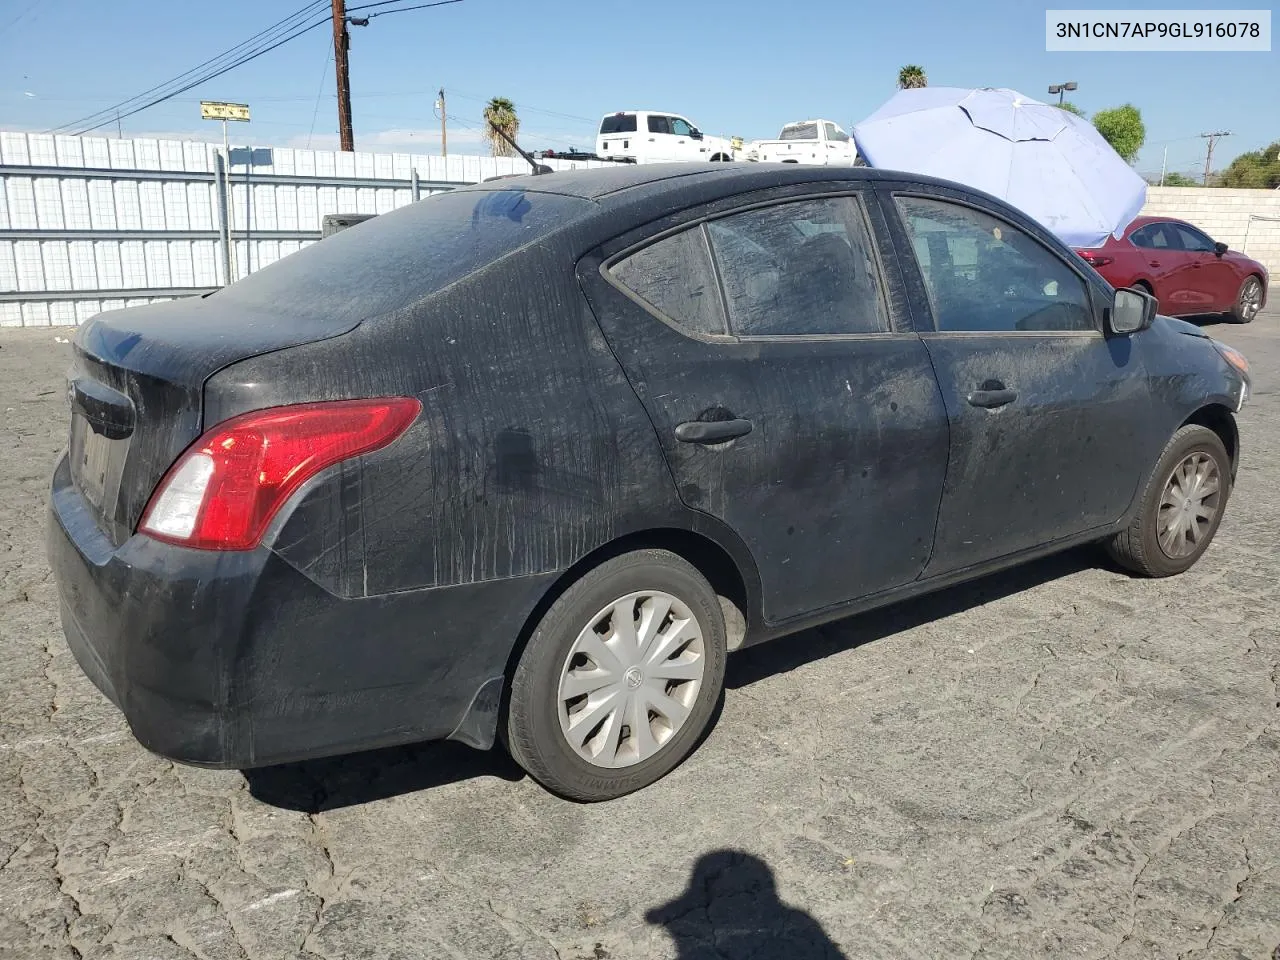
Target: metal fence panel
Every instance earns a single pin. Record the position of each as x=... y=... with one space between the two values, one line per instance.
x=89 y=224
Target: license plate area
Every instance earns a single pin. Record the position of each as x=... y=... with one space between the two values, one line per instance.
x=92 y=457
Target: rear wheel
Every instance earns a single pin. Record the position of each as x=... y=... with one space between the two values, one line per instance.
x=620 y=678
x=1182 y=506
x=1248 y=301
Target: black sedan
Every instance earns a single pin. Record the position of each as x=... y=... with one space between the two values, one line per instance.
x=527 y=459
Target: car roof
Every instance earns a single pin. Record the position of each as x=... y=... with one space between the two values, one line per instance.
x=638 y=180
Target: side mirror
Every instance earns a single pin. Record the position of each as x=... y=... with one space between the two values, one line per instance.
x=1130 y=311
x=1220 y=248
x=695 y=133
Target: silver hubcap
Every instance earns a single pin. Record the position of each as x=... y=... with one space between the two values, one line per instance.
x=1251 y=299
x=631 y=679
x=1189 y=505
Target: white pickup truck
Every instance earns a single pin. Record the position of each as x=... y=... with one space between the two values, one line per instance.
x=656 y=136
x=814 y=142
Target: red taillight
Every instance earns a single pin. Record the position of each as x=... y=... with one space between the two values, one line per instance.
x=223 y=492
x=1095 y=259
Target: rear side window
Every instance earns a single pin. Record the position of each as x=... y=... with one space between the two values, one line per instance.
x=806 y=268
x=659 y=124
x=1156 y=236
x=619 y=123
x=675 y=277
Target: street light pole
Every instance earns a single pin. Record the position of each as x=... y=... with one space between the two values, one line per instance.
x=1061 y=88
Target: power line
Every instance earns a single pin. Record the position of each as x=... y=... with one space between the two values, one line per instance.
x=209 y=76
x=206 y=70
x=25 y=13
x=324 y=71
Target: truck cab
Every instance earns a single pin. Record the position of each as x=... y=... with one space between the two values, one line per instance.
x=656 y=136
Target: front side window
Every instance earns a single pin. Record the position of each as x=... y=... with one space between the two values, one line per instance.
x=984 y=274
x=835 y=134
x=659 y=124
x=680 y=127
x=1193 y=239
x=806 y=268
x=675 y=276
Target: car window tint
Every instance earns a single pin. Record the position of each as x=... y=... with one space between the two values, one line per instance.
x=799 y=131
x=619 y=123
x=1157 y=236
x=659 y=124
x=985 y=274
x=680 y=127
x=675 y=276
x=1193 y=239
x=799 y=269
x=834 y=133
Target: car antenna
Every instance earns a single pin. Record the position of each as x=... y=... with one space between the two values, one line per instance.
x=537 y=167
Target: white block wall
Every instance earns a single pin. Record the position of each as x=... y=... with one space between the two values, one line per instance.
x=65 y=201
x=1245 y=220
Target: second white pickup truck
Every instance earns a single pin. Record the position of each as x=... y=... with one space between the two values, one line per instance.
x=813 y=142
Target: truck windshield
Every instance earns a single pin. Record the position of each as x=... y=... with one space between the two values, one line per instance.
x=799 y=131
x=619 y=123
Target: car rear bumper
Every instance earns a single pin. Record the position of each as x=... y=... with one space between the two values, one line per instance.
x=239 y=660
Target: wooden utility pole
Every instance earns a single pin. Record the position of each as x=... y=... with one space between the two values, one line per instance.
x=444 y=131
x=1208 y=157
x=341 y=44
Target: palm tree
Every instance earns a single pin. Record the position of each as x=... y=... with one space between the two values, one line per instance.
x=501 y=113
x=911 y=77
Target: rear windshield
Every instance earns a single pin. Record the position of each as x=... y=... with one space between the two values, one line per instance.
x=619 y=123
x=799 y=131
x=399 y=257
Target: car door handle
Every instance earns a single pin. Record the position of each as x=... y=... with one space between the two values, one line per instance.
x=1196 y=266
x=712 y=431
x=1153 y=263
x=990 y=399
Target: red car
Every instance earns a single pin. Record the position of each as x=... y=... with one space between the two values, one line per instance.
x=1186 y=271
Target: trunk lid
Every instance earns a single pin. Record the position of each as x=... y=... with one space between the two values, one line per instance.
x=136 y=388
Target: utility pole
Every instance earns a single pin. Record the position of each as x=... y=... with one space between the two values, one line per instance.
x=444 y=131
x=1208 y=157
x=341 y=44
x=1164 y=165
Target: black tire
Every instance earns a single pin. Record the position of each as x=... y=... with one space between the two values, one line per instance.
x=533 y=732
x=1242 y=311
x=1137 y=548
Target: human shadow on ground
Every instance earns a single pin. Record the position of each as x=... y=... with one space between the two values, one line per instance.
x=731 y=909
x=317 y=785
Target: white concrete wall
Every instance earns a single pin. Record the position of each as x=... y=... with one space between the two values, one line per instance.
x=1245 y=220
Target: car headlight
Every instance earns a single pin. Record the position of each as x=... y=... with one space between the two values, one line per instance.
x=1232 y=356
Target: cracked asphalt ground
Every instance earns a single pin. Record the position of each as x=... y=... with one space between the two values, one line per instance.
x=1059 y=761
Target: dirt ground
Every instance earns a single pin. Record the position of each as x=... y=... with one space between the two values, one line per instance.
x=1056 y=762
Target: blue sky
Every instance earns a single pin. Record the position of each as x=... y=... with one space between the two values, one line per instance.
x=731 y=70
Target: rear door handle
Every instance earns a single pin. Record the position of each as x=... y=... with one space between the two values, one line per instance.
x=990 y=399
x=712 y=431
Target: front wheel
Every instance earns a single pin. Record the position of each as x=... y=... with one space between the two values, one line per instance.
x=1182 y=506
x=1248 y=301
x=619 y=679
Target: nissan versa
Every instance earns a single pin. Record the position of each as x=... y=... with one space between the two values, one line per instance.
x=526 y=459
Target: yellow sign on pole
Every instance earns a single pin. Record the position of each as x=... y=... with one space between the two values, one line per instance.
x=216 y=110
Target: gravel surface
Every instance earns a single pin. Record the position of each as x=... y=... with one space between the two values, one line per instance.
x=1058 y=761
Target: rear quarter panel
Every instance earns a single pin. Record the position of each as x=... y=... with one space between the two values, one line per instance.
x=531 y=450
